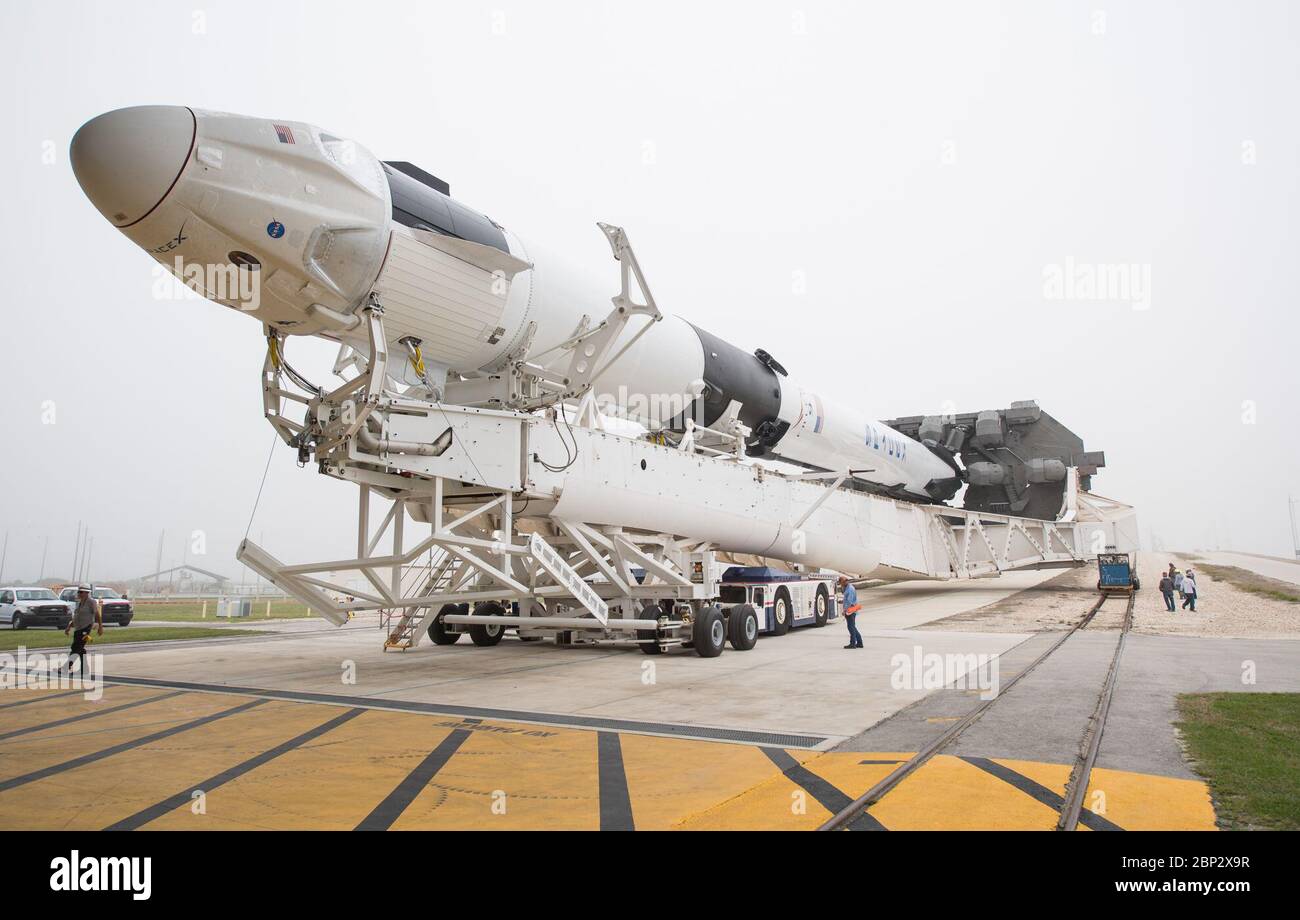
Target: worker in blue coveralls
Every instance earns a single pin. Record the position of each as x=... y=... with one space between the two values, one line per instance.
x=851 y=608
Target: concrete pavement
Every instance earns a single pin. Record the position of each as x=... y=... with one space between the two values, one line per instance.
x=779 y=736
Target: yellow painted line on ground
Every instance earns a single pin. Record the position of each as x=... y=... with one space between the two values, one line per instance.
x=508 y=776
x=1138 y=802
x=1054 y=776
x=504 y=775
x=331 y=783
x=17 y=698
x=27 y=753
x=847 y=772
x=99 y=794
x=671 y=780
x=54 y=706
x=781 y=804
x=776 y=803
x=946 y=793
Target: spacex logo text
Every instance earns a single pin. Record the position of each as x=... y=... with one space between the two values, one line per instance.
x=102 y=873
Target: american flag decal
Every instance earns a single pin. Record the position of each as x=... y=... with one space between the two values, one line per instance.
x=284 y=133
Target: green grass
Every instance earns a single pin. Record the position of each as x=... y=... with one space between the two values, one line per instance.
x=11 y=639
x=1247 y=745
x=1254 y=583
x=191 y=611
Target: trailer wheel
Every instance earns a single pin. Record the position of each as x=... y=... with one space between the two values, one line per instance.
x=488 y=634
x=709 y=632
x=439 y=633
x=742 y=627
x=782 y=612
x=822 y=606
x=649 y=638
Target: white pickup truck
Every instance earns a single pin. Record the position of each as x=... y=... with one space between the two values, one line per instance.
x=22 y=607
x=116 y=608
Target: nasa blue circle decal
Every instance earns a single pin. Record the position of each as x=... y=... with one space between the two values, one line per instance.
x=275 y=229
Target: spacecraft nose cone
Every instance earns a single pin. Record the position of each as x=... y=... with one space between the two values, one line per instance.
x=128 y=160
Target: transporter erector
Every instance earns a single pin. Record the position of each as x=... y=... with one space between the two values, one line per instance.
x=569 y=457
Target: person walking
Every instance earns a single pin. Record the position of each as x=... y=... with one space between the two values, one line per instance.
x=1189 y=590
x=851 y=608
x=85 y=617
x=1178 y=585
x=1167 y=592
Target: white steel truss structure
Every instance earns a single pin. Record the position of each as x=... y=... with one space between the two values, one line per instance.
x=621 y=544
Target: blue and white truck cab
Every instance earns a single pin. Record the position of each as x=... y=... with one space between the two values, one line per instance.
x=781 y=599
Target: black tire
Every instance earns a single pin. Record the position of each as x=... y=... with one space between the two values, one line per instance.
x=126 y=622
x=649 y=638
x=439 y=633
x=1137 y=585
x=709 y=632
x=18 y=621
x=822 y=606
x=488 y=635
x=742 y=627
x=782 y=612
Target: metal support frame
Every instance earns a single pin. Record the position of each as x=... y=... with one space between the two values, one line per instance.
x=977 y=544
x=590 y=348
x=564 y=576
x=546 y=572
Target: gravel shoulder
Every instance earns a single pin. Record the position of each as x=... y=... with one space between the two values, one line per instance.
x=1222 y=609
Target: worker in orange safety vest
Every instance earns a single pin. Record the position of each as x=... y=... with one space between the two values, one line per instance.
x=851 y=608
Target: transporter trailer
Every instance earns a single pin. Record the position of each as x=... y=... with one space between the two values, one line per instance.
x=744 y=603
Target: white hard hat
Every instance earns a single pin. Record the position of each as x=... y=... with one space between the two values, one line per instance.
x=81 y=588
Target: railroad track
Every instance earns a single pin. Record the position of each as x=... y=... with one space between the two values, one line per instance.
x=1081 y=772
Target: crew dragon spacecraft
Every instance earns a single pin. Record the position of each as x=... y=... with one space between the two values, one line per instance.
x=332 y=235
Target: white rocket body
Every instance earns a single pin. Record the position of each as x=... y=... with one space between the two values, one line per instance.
x=296 y=227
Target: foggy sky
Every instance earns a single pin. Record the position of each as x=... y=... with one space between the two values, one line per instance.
x=878 y=194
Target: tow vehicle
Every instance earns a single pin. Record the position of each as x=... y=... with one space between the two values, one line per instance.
x=1117 y=574
x=786 y=599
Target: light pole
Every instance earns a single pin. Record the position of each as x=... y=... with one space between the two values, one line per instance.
x=1292 y=503
x=157 y=569
x=76 y=552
